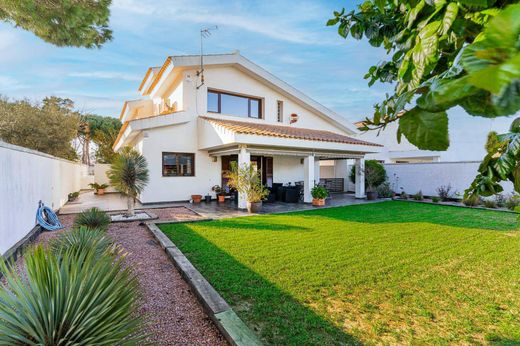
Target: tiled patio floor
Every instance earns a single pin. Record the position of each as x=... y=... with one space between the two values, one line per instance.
x=115 y=202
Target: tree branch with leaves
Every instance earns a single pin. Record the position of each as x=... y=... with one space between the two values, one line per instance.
x=443 y=54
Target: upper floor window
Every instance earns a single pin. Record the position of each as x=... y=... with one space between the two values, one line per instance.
x=242 y=106
x=279 y=111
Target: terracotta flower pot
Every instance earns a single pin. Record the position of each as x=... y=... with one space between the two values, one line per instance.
x=196 y=198
x=318 y=202
x=254 y=207
x=100 y=192
x=221 y=198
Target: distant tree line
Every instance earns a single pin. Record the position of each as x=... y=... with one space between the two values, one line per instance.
x=54 y=127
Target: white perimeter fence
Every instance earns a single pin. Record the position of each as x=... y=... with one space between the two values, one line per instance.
x=26 y=177
x=427 y=177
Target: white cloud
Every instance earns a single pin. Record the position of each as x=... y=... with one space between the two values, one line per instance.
x=273 y=20
x=105 y=75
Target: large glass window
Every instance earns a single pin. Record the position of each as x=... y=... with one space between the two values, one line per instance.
x=178 y=164
x=242 y=106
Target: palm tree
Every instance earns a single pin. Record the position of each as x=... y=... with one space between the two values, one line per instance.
x=128 y=174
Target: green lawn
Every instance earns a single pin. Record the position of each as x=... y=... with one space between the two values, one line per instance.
x=385 y=273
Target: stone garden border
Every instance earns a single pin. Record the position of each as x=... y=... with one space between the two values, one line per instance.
x=227 y=321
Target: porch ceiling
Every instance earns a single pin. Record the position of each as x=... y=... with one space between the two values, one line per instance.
x=273 y=151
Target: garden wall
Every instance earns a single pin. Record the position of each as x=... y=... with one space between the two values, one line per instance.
x=427 y=177
x=100 y=175
x=26 y=177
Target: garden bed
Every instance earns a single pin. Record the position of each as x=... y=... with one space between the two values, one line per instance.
x=390 y=272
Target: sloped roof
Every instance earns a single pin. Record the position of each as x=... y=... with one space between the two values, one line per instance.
x=249 y=128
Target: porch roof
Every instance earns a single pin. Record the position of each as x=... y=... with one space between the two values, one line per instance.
x=250 y=128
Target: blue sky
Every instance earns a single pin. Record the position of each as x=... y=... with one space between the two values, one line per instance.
x=288 y=40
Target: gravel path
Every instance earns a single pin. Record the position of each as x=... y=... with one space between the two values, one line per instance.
x=175 y=315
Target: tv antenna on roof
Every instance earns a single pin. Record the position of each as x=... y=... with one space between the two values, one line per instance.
x=204 y=33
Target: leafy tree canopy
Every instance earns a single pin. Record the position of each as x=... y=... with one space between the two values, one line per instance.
x=103 y=132
x=443 y=54
x=49 y=127
x=74 y=23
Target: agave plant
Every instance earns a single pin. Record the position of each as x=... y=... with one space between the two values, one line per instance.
x=129 y=175
x=70 y=299
x=83 y=239
x=93 y=218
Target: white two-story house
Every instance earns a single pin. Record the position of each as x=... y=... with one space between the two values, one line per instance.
x=190 y=128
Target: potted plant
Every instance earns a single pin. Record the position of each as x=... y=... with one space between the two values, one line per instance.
x=375 y=175
x=100 y=188
x=319 y=193
x=207 y=198
x=219 y=191
x=196 y=198
x=247 y=180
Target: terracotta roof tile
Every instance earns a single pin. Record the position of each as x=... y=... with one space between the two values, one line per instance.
x=285 y=132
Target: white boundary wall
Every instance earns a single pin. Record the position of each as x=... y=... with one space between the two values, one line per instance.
x=26 y=177
x=427 y=177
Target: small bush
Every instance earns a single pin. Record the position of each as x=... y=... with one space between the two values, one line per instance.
x=73 y=195
x=418 y=196
x=93 y=218
x=436 y=199
x=80 y=240
x=489 y=203
x=319 y=192
x=384 y=190
x=500 y=200
x=404 y=195
x=61 y=300
x=445 y=192
x=471 y=201
x=511 y=203
x=374 y=171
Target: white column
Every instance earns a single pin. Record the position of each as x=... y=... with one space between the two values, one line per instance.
x=317 y=171
x=360 y=178
x=308 y=178
x=244 y=159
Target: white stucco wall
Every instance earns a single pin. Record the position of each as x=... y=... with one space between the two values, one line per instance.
x=181 y=139
x=468 y=135
x=427 y=177
x=27 y=177
x=100 y=175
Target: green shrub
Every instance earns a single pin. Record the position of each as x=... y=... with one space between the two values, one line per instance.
x=500 y=200
x=471 y=201
x=404 y=195
x=82 y=239
x=93 y=218
x=97 y=186
x=445 y=192
x=377 y=173
x=384 y=190
x=418 y=196
x=66 y=300
x=436 y=199
x=512 y=202
x=319 y=192
x=489 y=203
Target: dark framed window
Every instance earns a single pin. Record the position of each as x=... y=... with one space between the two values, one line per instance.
x=242 y=106
x=279 y=111
x=178 y=164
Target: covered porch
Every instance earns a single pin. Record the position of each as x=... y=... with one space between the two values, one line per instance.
x=291 y=154
x=295 y=171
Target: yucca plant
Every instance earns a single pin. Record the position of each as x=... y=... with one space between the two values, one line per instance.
x=93 y=218
x=128 y=174
x=69 y=299
x=83 y=239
